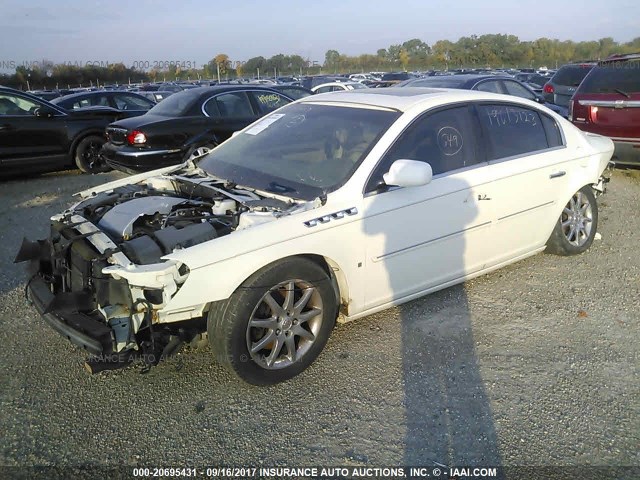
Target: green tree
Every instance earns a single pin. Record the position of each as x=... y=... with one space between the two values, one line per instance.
x=331 y=59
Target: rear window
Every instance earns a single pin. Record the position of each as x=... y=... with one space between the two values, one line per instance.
x=571 y=75
x=444 y=82
x=512 y=130
x=395 y=76
x=177 y=104
x=612 y=76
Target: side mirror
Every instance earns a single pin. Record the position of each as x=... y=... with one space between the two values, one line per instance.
x=44 y=112
x=408 y=173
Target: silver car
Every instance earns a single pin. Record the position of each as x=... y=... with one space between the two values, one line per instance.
x=564 y=83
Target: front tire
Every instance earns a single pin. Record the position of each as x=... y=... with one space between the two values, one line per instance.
x=577 y=225
x=87 y=155
x=276 y=323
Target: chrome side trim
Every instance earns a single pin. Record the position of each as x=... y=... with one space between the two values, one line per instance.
x=427 y=242
x=525 y=211
x=610 y=103
x=147 y=152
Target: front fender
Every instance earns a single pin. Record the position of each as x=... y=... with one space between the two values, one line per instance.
x=218 y=280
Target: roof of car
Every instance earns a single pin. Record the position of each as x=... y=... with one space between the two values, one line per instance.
x=226 y=88
x=405 y=98
x=336 y=84
x=25 y=94
x=71 y=96
x=621 y=57
x=460 y=79
x=395 y=98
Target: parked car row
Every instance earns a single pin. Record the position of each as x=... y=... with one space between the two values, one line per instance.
x=189 y=122
x=599 y=97
x=40 y=136
x=607 y=102
x=36 y=135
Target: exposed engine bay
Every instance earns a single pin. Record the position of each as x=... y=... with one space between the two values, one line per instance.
x=100 y=279
x=152 y=219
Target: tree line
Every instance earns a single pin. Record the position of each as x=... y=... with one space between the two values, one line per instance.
x=485 y=51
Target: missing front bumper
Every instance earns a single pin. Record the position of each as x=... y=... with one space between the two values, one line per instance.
x=80 y=329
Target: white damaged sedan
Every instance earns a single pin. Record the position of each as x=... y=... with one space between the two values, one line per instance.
x=334 y=207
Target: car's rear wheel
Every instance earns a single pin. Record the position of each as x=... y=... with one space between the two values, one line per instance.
x=197 y=152
x=577 y=225
x=276 y=324
x=87 y=155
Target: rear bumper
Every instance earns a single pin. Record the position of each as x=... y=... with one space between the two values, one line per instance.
x=132 y=160
x=626 y=153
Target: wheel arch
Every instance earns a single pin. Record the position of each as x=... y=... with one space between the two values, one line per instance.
x=331 y=267
x=81 y=136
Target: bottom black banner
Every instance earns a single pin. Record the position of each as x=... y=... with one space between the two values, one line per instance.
x=325 y=472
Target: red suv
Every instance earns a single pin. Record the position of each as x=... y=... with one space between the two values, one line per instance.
x=607 y=102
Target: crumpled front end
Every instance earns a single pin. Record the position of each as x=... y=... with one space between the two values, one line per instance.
x=104 y=278
x=87 y=290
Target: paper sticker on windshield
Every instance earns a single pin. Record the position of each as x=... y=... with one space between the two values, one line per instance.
x=264 y=123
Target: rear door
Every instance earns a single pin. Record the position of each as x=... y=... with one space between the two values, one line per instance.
x=529 y=168
x=227 y=113
x=267 y=102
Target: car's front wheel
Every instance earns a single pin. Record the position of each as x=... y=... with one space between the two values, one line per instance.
x=88 y=157
x=276 y=324
x=577 y=225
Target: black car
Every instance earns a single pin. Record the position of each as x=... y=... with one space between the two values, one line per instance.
x=294 y=91
x=129 y=104
x=485 y=83
x=38 y=136
x=187 y=123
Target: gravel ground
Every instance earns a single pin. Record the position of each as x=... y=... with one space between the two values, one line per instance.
x=536 y=364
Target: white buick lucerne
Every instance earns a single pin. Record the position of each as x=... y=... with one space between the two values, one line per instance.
x=333 y=207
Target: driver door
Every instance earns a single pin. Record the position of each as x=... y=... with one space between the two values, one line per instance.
x=421 y=238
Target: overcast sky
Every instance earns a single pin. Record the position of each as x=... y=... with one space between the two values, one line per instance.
x=197 y=30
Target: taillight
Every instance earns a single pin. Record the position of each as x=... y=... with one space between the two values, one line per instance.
x=548 y=88
x=570 y=116
x=593 y=114
x=136 y=137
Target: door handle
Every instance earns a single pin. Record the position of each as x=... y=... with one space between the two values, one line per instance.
x=483 y=197
x=558 y=174
x=6 y=126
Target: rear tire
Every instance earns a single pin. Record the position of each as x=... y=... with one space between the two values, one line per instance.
x=197 y=152
x=87 y=155
x=276 y=323
x=577 y=225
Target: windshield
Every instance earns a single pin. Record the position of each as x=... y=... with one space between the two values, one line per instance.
x=302 y=151
x=177 y=104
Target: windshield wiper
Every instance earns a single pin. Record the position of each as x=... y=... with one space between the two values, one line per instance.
x=622 y=92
